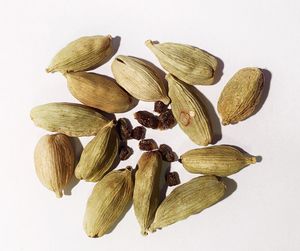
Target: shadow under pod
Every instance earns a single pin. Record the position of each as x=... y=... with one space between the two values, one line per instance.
x=78 y=148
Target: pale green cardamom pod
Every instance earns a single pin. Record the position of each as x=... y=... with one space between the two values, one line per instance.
x=139 y=79
x=99 y=154
x=241 y=95
x=188 y=63
x=54 y=160
x=216 y=160
x=188 y=199
x=100 y=92
x=83 y=54
x=74 y=120
x=189 y=111
x=108 y=202
x=146 y=189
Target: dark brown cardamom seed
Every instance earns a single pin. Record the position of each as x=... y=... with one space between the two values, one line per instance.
x=125 y=152
x=147 y=145
x=172 y=179
x=138 y=133
x=147 y=119
x=167 y=153
x=166 y=120
x=160 y=107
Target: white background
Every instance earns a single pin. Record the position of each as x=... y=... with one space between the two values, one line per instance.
x=263 y=213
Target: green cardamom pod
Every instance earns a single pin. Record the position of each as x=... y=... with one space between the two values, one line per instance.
x=189 y=112
x=139 y=79
x=188 y=63
x=241 y=95
x=54 y=160
x=100 y=92
x=74 y=120
x=216 y=160
x=83 y=54
x=99 y=154
x=188 y=199
x=109 y=200
x=146 y=189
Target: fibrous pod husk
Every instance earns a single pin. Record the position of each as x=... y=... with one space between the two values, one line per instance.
x=54 y=160
x=99 y=155
x=100 y=92
x=189 y=111
x=85 y=53
x=71 y=119
x=241 y=95
x=188 y=63
x=188 y=199
x=146 y=190
x=108 y=202
x=216 y=160
x=139 y=79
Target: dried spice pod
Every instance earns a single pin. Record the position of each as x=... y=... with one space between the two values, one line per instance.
x=146 y=189
x=241 y=95
x=147 y=119
x=172 y=179
x=188 y=199
x=109 y=200
x=166 y=120
x=160 y=107
x=99 y=91
x=74 y=120
x=124 y=128
x=139 y=79
x=188 y=63
x=167 y=153
x=138 y=133
x=148 y=145
x=125 y=152
x=54 y=160
x=85 y=53
x=99 y=155
x=189 y=111
x=216 y=160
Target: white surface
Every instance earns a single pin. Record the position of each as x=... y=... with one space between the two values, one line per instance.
x=262 y=214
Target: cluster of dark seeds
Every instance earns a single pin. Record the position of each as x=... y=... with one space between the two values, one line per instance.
x=165 y=120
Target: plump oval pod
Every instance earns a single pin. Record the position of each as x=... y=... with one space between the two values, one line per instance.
x=188 y=63
x=216 y=160
x=189 y=112
x=108 y=202
x=139 y=79
x=100 y=92
x=187 y=199
x=85 y=53
x=74 y=120
x=241 y=95
x=146 y=188
x=54 y=160
x=99 y=155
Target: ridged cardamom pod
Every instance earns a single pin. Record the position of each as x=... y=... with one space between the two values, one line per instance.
x=139 y=79
x=240 y=95
x=74 y=120
x=99 y=154
x=54 y=160
x=146 y=189
x=188 y=63
x=188 y=199
x=100 y=92
x=109 y=200
x=83 y=54
x=189 y=112
x=216 y=160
